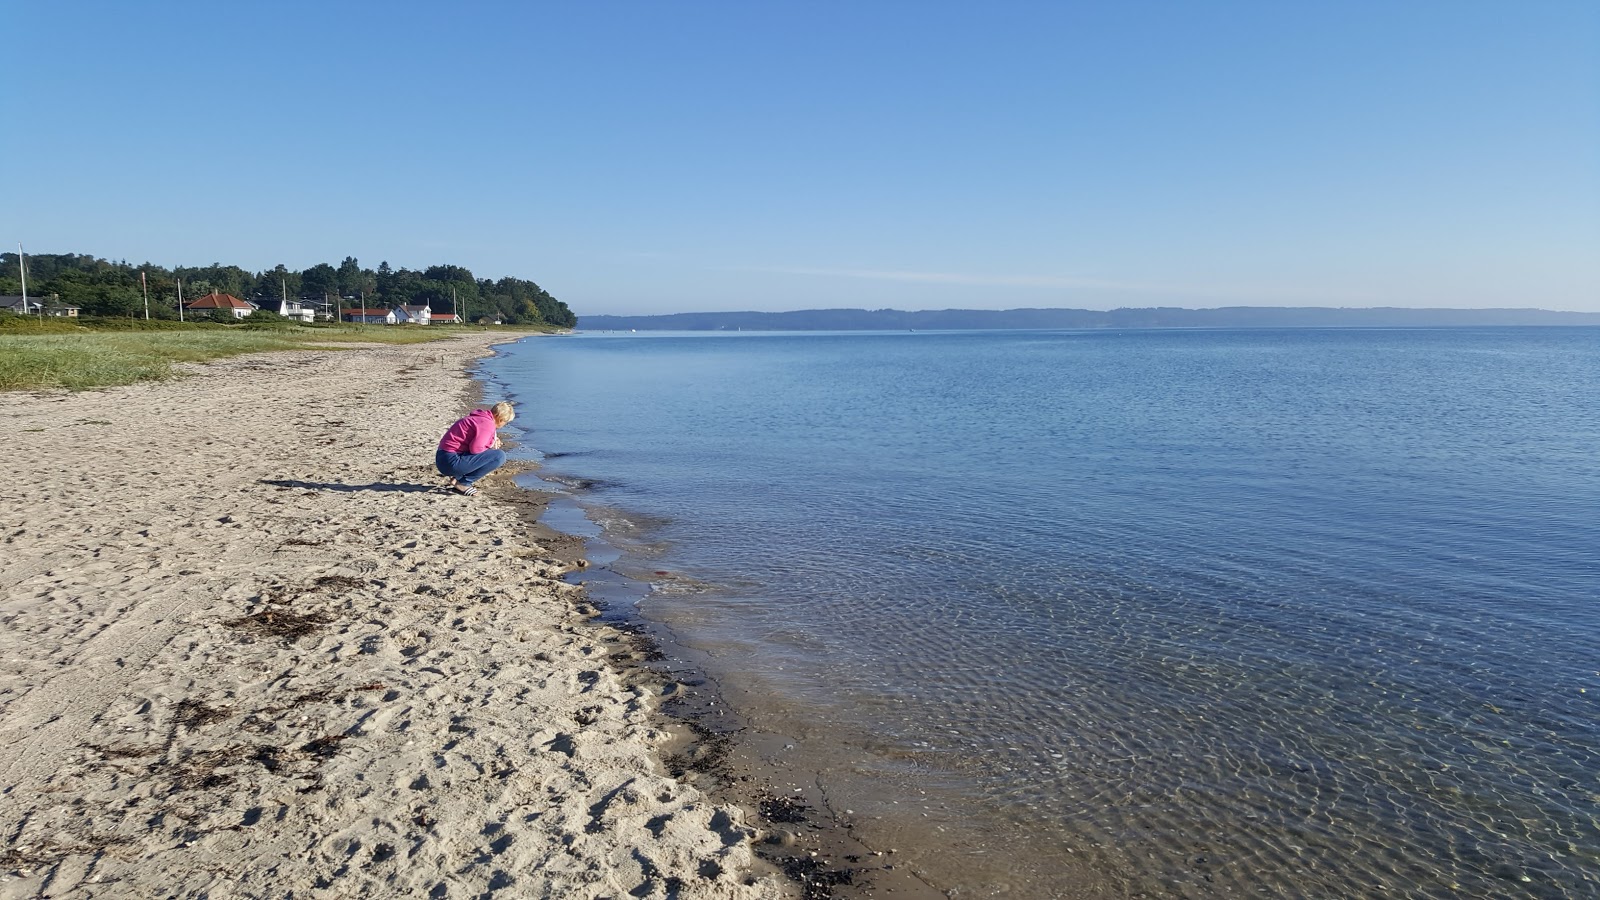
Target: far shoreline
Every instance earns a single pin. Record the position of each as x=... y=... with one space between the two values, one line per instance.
x=1164 y=317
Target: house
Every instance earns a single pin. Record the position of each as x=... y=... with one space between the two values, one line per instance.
x=294 y=309
x=324 y=307
x=20 y=306
x=34 y=307
x=444 y=319
x=370 y=316
x=214 y=301
x=413 y=315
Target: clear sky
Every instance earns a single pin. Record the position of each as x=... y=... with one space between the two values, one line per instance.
x=642 y=157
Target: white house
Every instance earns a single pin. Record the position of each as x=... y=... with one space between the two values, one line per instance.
x=294 y=309
x=444 y=319
x=413 y=315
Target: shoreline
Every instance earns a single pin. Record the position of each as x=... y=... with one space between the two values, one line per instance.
x=250 y=646
x=714 y=748
x=801 y=831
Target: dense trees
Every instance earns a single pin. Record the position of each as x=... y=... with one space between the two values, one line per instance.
x=102 y=287
x=320 y=280
x=355 y=281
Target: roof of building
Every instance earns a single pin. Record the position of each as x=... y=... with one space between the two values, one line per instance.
x=215 y=300
x=366 y=312
x=15 y=302
x=443 y=316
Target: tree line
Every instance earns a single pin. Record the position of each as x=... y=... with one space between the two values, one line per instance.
x=100 y=287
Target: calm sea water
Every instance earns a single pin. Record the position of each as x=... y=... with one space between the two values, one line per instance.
x=1298 y=613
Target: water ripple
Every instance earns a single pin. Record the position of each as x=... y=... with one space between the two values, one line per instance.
x=1164 y=613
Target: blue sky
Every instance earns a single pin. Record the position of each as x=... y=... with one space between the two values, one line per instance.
x=639 y=157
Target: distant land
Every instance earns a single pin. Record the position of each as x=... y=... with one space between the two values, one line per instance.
x=1155 y=317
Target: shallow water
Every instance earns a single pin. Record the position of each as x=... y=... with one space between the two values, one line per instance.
x=1193 y=613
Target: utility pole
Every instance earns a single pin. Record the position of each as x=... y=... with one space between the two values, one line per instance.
x=180 y=299
x=145 y=286
x=22 y=270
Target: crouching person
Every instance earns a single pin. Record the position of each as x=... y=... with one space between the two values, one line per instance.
x=470 y=449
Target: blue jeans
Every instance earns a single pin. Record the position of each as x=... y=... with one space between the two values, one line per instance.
x=466 y=468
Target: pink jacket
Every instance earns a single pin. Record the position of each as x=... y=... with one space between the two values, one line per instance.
x=472 y=434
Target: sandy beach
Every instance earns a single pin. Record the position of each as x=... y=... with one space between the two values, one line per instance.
x=252 y=650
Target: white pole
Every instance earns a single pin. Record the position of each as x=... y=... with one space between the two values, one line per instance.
x=22 y=270
x=180 y=299
x=146 y=287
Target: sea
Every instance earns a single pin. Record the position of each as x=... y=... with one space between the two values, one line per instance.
x=1163 y=613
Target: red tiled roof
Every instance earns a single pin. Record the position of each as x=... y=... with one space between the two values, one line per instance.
x=367 y=312
x=215 y=300
x=444 y=317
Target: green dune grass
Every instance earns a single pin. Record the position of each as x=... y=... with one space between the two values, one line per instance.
x=74 y=357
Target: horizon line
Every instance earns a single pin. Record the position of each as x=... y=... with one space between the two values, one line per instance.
x=953 y=309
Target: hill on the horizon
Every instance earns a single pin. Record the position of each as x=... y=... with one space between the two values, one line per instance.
x=1154 y=317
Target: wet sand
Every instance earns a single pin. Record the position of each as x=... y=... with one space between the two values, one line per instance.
x=787 y=787
x=252 y=649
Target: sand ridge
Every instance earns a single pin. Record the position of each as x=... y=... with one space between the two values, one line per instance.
x=250 y=649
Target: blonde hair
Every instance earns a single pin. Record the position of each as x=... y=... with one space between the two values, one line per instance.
x=502 y=412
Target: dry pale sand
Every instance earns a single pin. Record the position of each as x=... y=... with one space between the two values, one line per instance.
x=250 y=650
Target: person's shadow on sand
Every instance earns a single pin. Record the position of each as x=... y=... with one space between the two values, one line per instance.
x=350 y=488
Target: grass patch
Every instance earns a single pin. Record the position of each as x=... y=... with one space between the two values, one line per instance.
x=10 y=324
x=76 y=357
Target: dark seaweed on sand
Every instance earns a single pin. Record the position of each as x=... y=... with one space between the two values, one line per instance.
x=324 y=747
x=645 y=647
x=199 y=771
x=816 y=881
x=193 y=714
x=339 y=581
x=51 y=851
x=783 y=809
x=271 y=758
x=707 y=753
x=281 y=623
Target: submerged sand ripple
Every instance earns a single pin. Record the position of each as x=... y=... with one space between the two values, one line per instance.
x=250 y=650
